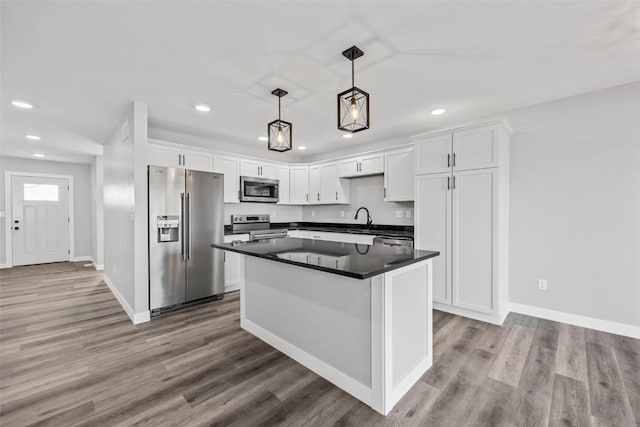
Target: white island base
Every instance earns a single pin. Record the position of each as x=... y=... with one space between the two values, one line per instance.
x=370 y=337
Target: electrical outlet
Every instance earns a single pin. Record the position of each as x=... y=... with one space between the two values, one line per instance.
x=542 y=284
x=342 y=214
x=399 y=213
x=407 y=213
x=313 y=213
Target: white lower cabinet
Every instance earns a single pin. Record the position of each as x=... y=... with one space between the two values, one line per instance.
x=433 y=213
x=233 y=266
x=460 y=216
x=360 y=239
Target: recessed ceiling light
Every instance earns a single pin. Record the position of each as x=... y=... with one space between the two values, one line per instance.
x=203 y=108
x=347 y=135
x=22 y=104
x=33 y=137
x=40 y=155
x=438 y=111
x=302 y=147
x=263 y=138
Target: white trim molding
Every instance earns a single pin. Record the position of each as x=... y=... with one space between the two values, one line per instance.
x=136 y=318
x=3 y=266
x=81 y=258
x=578 y=320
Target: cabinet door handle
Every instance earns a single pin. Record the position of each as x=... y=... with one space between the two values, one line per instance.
x=385 y=191
x=307 y=197
x=179 y=159
x=448 y=183
x=318 y=196
x=448 y=160
x=336 y=195
x=454 y=163
x=454 y=182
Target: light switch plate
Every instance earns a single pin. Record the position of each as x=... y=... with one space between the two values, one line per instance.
x=399 y=213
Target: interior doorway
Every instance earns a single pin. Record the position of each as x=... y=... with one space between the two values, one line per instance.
x=40 y=214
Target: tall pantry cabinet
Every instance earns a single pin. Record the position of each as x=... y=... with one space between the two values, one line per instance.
x=462 y=210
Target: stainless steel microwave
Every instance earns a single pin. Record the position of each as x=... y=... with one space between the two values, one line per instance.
x=258 y=189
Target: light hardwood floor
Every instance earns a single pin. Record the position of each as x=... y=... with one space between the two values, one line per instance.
x=70 y=356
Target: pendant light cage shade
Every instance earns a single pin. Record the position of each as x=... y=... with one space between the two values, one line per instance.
x=280 y=132
x=280 y=135
x=353 y=110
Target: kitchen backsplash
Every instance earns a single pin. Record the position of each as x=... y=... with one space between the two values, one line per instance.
x=367 y=192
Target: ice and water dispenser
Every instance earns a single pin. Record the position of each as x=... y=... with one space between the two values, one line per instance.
x=168 y=226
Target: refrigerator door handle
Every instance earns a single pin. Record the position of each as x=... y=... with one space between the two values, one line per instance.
x=182 y=225
x=188 y=225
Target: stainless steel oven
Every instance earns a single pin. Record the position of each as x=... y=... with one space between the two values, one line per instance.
x=258 y=189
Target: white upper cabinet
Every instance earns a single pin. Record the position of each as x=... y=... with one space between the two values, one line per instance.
x=229 y=166
x=475 y=148
x=177 y=157
x=314 y=184
x=333 y=190
x=299 y=185
x=399 y=173
x=282 y=175
x=367 y=164
x=257 y=169
x=433 y=154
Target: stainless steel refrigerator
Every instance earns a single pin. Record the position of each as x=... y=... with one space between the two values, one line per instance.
x=186 y=210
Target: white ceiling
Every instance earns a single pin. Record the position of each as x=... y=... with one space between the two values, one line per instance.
x=81 y=63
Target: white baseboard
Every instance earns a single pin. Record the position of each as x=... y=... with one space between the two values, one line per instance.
x=3 y=266
x=98 y=267
x=136 y=318
x=81 y=258
x=578 y=320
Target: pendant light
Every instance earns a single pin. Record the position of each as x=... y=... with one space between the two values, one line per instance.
x=353 y=104
x=279 y=131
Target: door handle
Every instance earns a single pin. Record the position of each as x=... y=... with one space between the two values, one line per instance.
x=183 y=224
x=448 y=160
x=454 y=161
x=307 y=197
x=336 y=195
x=16 y=228
x=448 y=183
x=318 y=196
x=454 y=182
x=188 y=225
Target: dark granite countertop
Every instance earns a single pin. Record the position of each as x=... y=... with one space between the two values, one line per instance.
x=345 y=259
x=374 y=229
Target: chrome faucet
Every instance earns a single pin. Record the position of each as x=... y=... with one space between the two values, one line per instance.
x=369 y=220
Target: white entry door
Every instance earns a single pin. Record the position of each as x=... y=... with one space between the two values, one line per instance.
x=39 y=220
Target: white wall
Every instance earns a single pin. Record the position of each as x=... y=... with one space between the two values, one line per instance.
x=81 y=197
x=368 y=192
x=125 y=213
x=575 y=205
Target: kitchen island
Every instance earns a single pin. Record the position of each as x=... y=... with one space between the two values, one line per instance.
x=358 y=315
